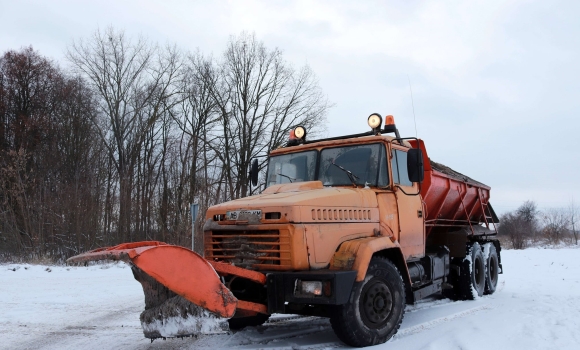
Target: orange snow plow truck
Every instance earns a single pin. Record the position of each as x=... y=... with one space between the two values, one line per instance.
x=352 y=228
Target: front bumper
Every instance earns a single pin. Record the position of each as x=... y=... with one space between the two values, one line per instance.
x=281 y=288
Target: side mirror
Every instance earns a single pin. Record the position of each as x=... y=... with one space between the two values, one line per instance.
x=415 y=167
x=254 y=172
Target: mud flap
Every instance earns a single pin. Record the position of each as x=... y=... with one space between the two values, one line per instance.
x=183 y=292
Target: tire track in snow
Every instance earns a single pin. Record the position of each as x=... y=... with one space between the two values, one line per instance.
x=442 y=303
x=92 y=328
x=288 y=328
x=279 y=321
x=293 y=332
x=433 y=323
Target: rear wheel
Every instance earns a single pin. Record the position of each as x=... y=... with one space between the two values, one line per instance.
x=491 y=269
x=472 y=276
x=375 y=309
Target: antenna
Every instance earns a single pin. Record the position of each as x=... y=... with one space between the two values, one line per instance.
x=412 y=104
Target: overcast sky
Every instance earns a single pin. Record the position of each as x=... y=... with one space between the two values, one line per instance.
x=496 y=84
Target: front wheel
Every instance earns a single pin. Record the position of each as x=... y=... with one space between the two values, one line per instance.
x=375 y=308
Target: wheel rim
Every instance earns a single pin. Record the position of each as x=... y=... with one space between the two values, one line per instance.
x=377 y=303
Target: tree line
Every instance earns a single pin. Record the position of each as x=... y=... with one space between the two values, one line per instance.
x=528 y=226
x=117 y=146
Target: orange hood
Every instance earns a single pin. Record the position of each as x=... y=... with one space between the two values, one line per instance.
x=293 y=198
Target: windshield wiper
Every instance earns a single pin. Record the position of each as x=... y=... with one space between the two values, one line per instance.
x=350 y=175
x=286 y=176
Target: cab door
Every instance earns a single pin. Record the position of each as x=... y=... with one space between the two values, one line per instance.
x=409 y=206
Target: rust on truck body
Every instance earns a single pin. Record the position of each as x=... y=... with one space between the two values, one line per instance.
x=360 y=251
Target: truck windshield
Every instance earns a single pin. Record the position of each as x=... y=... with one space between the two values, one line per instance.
x=366 y=162
x=293 y=167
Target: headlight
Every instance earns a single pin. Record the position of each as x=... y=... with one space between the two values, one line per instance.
x=375 y=120
x=307 y=288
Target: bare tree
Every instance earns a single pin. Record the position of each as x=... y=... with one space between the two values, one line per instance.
x=134 y=81
x=555 y=222
x=260 y=98
x=572 y=217
x=521 y=225
x=27 y=82
x=529 y=213
x=196 y=118
x=48 y=178
x=514 y=227
x=78 y=168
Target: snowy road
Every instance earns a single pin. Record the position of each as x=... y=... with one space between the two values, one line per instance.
x=537 y=306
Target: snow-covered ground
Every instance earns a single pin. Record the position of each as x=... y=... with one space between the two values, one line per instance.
x=536 y=306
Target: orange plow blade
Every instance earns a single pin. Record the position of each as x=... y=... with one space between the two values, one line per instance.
x=183 y=292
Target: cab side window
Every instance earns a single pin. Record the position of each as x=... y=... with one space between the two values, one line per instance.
x=399 y=165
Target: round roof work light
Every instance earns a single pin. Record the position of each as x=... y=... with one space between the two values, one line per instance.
x=375 y=121
x=300 y=133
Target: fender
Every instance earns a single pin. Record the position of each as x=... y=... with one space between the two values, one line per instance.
x=356 y=255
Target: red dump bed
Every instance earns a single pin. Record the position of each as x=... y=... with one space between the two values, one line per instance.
x=451 y=198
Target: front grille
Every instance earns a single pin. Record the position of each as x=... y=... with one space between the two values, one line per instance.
x=249 y=249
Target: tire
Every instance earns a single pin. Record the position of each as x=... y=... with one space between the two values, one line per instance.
x=375 y=308
x=251 y=321
x=491 y=269
x=471 y=283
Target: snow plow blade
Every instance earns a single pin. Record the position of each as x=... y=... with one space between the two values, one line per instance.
x=183 y=292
